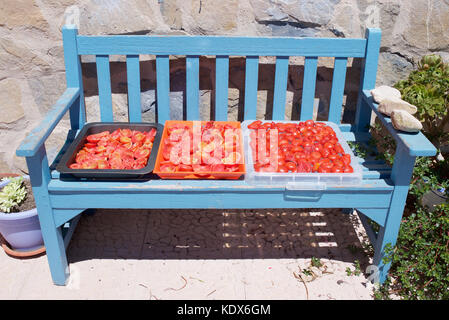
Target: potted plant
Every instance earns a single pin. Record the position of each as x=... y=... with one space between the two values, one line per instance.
x=19 y=222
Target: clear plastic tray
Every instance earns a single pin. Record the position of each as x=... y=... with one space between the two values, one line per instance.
x=301 y=181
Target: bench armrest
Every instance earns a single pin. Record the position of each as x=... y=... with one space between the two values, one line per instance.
x=38 y=135
x=416 y=144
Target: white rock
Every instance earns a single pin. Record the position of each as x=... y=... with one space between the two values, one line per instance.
x=389 y=104
x=384 y=92
x=404 y=121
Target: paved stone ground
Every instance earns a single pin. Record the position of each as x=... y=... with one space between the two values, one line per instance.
x=200 y=254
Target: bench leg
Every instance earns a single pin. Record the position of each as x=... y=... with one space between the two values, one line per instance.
x=54 y=244
x=387 y=235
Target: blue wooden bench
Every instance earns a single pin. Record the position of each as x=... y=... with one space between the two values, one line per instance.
x=380 y=197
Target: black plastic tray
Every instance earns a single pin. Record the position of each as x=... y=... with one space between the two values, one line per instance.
x=97 y=127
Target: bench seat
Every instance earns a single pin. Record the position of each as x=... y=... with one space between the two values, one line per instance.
x=372 y=193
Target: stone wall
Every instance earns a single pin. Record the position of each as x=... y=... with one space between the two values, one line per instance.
x=32 y=65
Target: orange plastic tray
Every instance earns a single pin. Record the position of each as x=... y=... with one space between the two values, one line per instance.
x=195 y=175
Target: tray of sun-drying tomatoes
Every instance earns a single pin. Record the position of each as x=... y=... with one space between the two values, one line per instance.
x=200 y=150
x=309 y=152
x=112 y=150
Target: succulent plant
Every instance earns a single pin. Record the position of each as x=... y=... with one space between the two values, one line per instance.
x=427 y=88
x=13 y=194
x=431 y=60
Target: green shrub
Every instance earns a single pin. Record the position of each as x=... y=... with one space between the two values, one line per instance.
x=420 y=260
x=428 y=89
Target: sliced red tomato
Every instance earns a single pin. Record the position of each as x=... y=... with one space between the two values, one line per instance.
x=217 y=167
x=327 y=166
x=94 y=138
x=339 y=149
x=167 y=168
x=90 y=144
x=337 y=170
x=89 y=164
x=324 y=170
x=338 y=163
x=142 y=153
x=291 y=166
x=255 y=125
x=151 y=134
x=125 y=132
x=303 y=166
x=138 y=137
x=201 y=168
x=315 y=155
x=125 y=139
x=232 y=167
x=346 y=158
x=103 y=164
x=184 y=168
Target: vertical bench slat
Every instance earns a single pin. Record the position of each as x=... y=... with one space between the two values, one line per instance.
x=133 y=77
x=251 y=82
x=221 y=88
x=104 y=88
x=163 y=88
x=193 y=87
x=308 y=91
x=367 y=78
x=280 y=87
x=73 y=74
x=338 y=87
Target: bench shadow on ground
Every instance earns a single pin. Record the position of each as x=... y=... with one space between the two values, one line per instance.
x=217 y=234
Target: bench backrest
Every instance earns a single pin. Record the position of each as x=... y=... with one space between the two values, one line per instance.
x=222 y=48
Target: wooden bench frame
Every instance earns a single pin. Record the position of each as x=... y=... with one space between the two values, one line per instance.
x=380 y=197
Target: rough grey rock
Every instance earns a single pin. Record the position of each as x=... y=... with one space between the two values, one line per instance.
x=404 y=121
x=286 y=29
x=305 y=12
x=119 y=17
x=148 y=100
x=392 y=67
